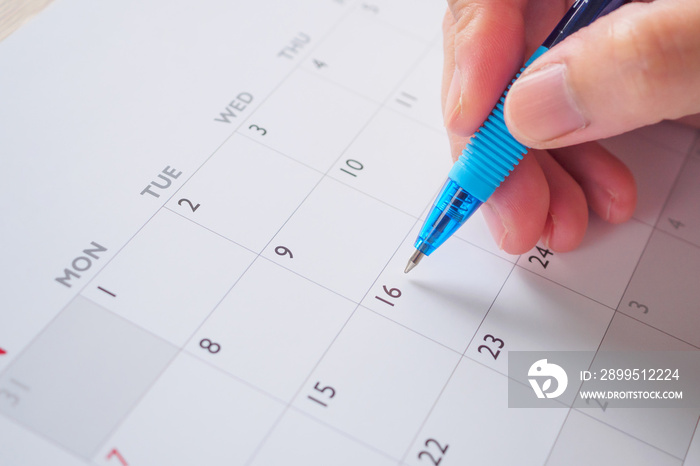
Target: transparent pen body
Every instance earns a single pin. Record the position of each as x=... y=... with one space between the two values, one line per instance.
x=451 y=209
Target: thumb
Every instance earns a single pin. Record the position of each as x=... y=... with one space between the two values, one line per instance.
x=633 y=67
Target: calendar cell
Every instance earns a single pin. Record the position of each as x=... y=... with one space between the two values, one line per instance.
x=340 y=239
x=692 y=458
x=371 y=63
x=435 y=301
x=668 y=302
x=535 y=314
x=600 y=267
x=299 y=439
x=585 y=441
x=218 y=196
x=674 y=136
x=85 y=351
x=194 y=414
x=472 y=424
x=681 y=217
x=20 y=446
x=392 y=147
x=309 y=119
x=377 y=382
x=669 y=429
x=272 y=329
x=654 y=167
x=418 y=96
x=415 y=17
x=170 y=276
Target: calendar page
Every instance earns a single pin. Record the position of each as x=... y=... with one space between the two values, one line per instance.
x=206 y=212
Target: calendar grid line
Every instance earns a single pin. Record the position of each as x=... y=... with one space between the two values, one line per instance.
x=430 y=411
x=167 y=366
x=563 y=405
x=342 y=432
x=297 y=65
x=78 y=292
x=326 y=174
x=615 y=311
x=279 y=152
x=176 y=355
x=302 y=202
x=471 y=243
x=695 y=146
x=379 y=314
x=236 y=130
x=309 y=280
x=342 y=86
x=695 y=432
x=656 y=229
x=264 y=440
x=182 y=349
x=166 y=200
x=405 y=32
x=425 y=420
x=420 y=122
x=606 y=305
x=255 y=387
x=232 y=241
x=388 y=108
x=360 y=131
x=413 y=216
x=685 y=157
x=128 y=412
x=627 y=434
x=659 y=330
x=564 y=286
x=686 y=160
x=258 y=255
x=493 y=301
x=272 y=91
x=570 y=408
x=661 y=143
x=325 y=352
x=561 y=428
x=41 y=435
x=682 y=240
x=508 y=377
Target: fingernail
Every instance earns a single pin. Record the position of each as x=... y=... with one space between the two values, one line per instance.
x=453 y=101
x=541 y=106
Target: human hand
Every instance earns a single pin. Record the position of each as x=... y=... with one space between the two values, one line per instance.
x=636 y=66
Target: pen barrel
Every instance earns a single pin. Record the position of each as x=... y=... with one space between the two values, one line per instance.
x=581 y=14
x=492 y=153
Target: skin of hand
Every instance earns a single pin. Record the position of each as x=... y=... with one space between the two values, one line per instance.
x=636 y=66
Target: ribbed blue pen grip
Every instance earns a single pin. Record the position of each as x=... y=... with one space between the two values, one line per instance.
x=492 y=153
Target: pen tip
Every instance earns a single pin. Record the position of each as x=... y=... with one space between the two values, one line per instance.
x=413 y=261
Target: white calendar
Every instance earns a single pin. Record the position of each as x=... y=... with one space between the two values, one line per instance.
x=206 y=213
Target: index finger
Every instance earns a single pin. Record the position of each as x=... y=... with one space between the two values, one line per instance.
x=485 y=43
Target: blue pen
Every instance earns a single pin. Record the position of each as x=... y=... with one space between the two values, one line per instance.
x=492 y=153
